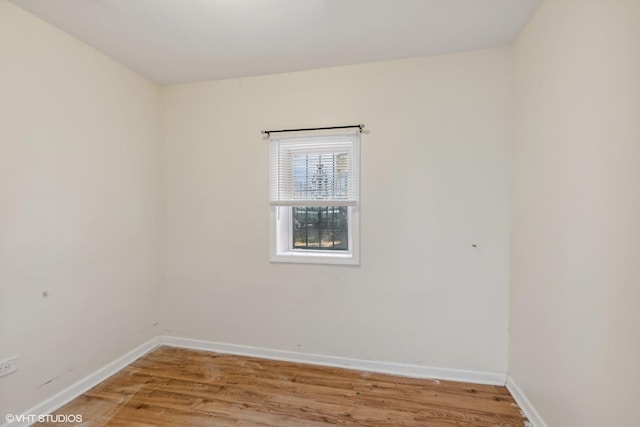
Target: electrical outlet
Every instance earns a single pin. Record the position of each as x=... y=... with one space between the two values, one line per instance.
x=8 y=366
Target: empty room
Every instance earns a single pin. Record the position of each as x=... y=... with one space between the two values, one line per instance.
x=316 y=212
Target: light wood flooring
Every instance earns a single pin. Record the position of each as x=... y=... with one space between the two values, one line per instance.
x=179 y=387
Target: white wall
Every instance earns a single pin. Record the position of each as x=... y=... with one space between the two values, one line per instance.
x=575 y=340
x=434 y=182
x=79 y=209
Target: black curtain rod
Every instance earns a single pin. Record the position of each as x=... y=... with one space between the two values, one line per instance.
x=267 y=132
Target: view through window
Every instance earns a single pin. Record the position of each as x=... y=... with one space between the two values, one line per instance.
x=321 y=228
x=320 y=176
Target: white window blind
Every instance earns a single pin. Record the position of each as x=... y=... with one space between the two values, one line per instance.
x=316 y=170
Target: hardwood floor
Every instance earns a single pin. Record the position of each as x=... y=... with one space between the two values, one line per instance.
x=179 y=387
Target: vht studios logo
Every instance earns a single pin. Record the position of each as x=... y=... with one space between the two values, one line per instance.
x=43 y=418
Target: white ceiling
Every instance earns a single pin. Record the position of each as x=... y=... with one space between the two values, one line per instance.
x=175 y=41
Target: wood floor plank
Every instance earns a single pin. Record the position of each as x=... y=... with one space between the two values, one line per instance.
x=180 y=387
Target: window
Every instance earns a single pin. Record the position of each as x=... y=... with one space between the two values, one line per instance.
x=314 y=197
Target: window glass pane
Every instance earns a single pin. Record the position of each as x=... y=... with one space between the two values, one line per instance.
x=320 y=176
x=321 y=228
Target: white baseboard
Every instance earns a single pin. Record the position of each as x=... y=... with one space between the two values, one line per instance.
x=75 y=390
x=525 y=404
x=415 y=371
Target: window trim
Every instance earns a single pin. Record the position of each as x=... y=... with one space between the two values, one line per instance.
x=281 y=243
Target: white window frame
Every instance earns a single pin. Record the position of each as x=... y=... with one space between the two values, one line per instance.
x=281 y=229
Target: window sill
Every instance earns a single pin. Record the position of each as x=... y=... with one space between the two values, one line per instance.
x=315 y=258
